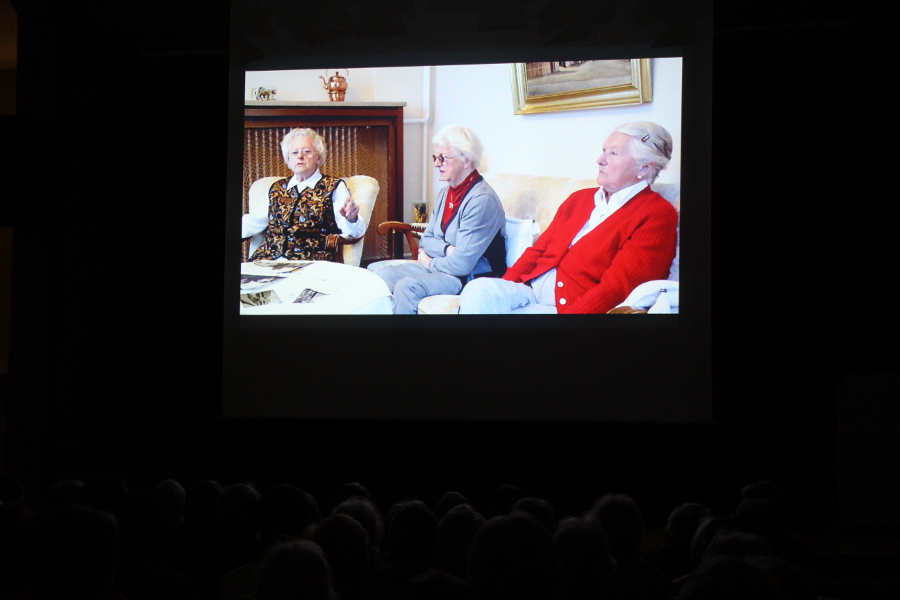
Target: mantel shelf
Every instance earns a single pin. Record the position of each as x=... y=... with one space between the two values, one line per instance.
x=306 y=104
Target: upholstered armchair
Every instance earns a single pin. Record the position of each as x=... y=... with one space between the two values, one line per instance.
x=363 y=190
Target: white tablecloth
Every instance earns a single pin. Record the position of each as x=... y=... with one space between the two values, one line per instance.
x=343 y=290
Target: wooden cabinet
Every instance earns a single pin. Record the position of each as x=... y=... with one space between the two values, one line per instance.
x=362 y=138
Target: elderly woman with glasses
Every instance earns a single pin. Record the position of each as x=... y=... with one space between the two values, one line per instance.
x=304 y=210
x=602 y=243
x=464 y=238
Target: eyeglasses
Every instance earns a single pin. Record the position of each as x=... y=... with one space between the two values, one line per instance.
x=441 y=159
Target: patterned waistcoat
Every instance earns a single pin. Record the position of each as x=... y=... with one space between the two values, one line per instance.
x=299 y=222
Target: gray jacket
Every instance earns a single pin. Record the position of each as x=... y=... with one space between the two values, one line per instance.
x=478 y=220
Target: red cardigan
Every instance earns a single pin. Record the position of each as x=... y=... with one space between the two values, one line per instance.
x=633 y=245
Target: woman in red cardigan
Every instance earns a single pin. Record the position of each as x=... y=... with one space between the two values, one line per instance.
x=602 y=243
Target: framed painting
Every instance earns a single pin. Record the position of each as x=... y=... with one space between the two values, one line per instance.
x=574 y=85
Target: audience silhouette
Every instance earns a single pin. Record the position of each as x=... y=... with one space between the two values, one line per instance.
x=98 y=541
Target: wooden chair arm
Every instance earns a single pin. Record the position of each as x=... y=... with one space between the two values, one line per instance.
x=336 y=242
x=385 y=227
x=412 y=231
x=627 y=310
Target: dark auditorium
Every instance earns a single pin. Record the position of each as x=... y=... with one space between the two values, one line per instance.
x=429 y=300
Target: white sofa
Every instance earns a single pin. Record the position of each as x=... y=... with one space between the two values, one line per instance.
x=530 y=203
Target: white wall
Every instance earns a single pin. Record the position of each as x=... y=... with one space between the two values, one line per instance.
x=566 y=144
x=395 y=84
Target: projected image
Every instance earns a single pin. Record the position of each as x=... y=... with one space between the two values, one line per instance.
x=562 y=212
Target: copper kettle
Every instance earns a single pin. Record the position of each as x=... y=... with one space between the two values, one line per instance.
x=336 y=86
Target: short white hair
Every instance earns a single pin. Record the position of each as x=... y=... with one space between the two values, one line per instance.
x=650 y=143
x=317 y=140
x=463 y=140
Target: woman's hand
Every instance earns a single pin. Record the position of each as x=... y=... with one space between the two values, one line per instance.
x=424 y=259
x=350 y=210
x=450 y=251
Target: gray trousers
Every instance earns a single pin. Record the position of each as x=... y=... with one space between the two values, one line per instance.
x=410 y=283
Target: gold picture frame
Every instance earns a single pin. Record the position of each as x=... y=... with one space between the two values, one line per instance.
x=577 y=85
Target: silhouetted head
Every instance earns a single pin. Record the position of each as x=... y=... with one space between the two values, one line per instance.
x=346 y=548
x=455 y=534
x=622 y=521
x=683 y=523
x=64 y=493
x=412 y=538
x=235 y=513
x=512 y=558
x=353 y=489
x=282 y=511
x=365 y=512
x=172 y=495
x=315 y=517
x=706 y=531
x=199 y=506
x=583 y=554
x=294 y=570
x=540 y=509
x=448 y=501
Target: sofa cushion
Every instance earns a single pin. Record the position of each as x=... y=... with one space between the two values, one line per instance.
x=672 y=193
x=520 y=235
x=380 y=264
x=534 y=197
x=439 y=305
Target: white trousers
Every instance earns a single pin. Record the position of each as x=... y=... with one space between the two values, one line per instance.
x=489 y=296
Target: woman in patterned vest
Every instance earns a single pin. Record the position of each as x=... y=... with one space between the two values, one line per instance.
x=306 y=208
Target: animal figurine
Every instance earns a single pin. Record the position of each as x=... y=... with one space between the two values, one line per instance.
x=262 y=93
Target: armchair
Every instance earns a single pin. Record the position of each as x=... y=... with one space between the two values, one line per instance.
x=411 y=231
x=363 y=190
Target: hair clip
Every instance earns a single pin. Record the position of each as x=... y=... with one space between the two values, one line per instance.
x=645 y=138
